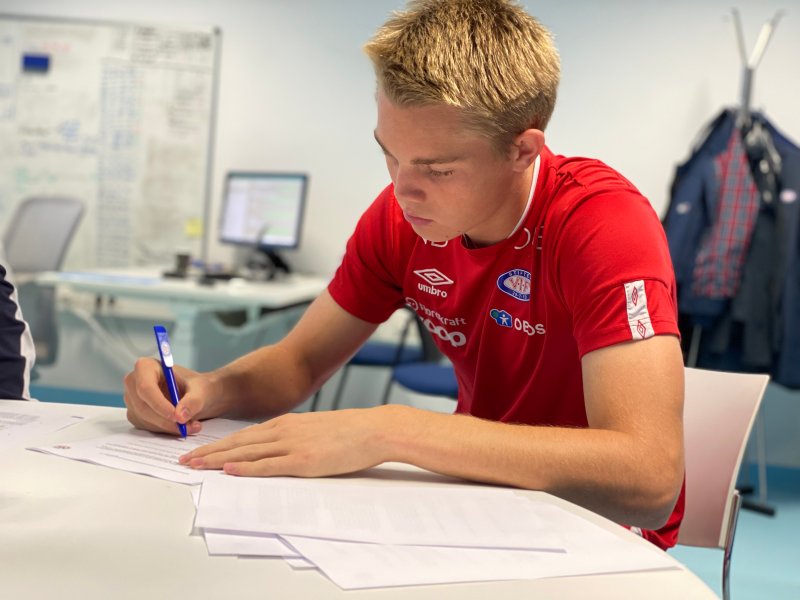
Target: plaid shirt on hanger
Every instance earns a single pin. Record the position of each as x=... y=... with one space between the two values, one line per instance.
x=718 y=267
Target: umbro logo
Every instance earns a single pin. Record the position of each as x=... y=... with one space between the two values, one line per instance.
x=433 y=278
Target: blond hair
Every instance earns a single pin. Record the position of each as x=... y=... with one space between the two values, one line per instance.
x=488 y=57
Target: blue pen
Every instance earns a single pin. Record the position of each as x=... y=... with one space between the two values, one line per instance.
x=164 y=350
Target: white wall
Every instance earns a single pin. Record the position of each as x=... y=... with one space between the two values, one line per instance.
x=640 y=79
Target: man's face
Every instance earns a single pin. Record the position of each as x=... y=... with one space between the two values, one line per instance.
x=448 y=181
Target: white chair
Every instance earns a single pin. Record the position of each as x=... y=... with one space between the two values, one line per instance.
x=719 y=412
x=36 y=239
x=39 y=233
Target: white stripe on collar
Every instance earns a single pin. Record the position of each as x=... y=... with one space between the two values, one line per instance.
x=530 y=197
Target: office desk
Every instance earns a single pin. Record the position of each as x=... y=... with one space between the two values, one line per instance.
x=187 y=298
x=75 y=530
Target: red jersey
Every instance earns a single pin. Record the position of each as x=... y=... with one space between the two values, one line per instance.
x=587 y=267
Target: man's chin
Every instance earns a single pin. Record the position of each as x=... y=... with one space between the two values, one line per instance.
x=434 y=237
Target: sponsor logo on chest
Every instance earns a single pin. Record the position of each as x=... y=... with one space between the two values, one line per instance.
x=507 y=320
x=434 y=280
x=439 y=325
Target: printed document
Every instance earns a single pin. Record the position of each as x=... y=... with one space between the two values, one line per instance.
x=20 y=426
x=147 y=453
x=389 y=514
x=246 y=544
x=352 y=565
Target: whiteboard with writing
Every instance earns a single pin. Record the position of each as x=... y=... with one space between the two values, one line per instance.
x=119 y=115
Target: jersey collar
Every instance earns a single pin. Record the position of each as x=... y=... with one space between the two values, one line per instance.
x=535 y=177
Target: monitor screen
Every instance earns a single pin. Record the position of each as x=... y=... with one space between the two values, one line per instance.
x=263 y=210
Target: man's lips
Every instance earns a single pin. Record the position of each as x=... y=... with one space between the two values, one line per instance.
x=414 y=220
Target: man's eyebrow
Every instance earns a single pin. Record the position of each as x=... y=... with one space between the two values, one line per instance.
x=423 y=161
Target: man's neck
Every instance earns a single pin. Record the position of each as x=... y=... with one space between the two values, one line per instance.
x=523 y=193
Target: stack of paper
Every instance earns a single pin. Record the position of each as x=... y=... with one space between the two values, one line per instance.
x=364 y=536
x=376 y=533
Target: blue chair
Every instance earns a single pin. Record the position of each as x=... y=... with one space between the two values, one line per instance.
x=377 y=354
x=427 y=378
x=430 y=375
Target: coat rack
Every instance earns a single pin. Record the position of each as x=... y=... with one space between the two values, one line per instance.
x=749 y=65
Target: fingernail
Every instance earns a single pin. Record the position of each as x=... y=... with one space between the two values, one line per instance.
x=185 y=458
x=197 y=463
x=230 y=468
x=195 y=427
x=184 y=414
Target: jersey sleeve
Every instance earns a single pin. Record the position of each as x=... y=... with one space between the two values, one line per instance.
x=614 y=270
x=367 y=283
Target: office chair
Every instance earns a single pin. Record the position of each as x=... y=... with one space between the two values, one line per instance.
x=719 y=412
x=430 y=375
x=36 y=239
x=378 y=354
x=427 y=378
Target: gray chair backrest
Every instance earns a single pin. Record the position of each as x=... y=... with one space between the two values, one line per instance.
x=39 y=233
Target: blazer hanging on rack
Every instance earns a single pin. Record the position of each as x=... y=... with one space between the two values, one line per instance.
x=732 y=227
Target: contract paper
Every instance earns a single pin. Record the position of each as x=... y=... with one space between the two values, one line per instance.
x=390 y=514
x=246 y=544
x=19 y=426
x=299 y=564
x=353 y=565
x=147 y=453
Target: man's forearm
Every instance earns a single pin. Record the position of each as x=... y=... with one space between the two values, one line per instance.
x=264 y=383
x=274 y=379
x=615 y=474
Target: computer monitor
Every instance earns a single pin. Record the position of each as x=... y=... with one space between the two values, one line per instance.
x=264 y=211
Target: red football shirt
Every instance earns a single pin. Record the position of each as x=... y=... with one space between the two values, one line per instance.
x=588 y=267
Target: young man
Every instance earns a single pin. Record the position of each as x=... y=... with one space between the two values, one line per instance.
x=546 y=281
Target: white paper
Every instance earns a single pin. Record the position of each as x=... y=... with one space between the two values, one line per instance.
x=246 y=544
x=390 y=514
x=147 y=453
x=590 y=550
x=300 y=563
x=19 y=426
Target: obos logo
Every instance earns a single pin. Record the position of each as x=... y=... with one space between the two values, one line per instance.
x=516 y=283
x=505 y=319
x=501 y=317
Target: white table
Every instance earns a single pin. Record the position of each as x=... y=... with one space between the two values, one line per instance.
x=187 y=298
x=75 y=530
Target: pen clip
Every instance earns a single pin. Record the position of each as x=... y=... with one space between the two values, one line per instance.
x=164 y=348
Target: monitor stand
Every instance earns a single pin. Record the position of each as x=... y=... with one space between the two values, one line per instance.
x=267 y=264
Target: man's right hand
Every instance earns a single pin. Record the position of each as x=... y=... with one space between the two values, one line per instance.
x=148 y=402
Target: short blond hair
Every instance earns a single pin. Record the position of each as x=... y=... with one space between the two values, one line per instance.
x=488 y=57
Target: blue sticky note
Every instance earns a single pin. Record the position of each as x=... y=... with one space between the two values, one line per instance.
x=35 y=63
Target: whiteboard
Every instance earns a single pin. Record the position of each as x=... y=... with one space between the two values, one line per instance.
x=120 y=115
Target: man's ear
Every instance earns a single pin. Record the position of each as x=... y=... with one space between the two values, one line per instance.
x=525 y=148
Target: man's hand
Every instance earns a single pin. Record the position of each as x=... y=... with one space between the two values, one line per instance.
x=314 y=444
x=149 y=406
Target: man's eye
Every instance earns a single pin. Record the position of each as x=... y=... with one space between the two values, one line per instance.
x=435 y=173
